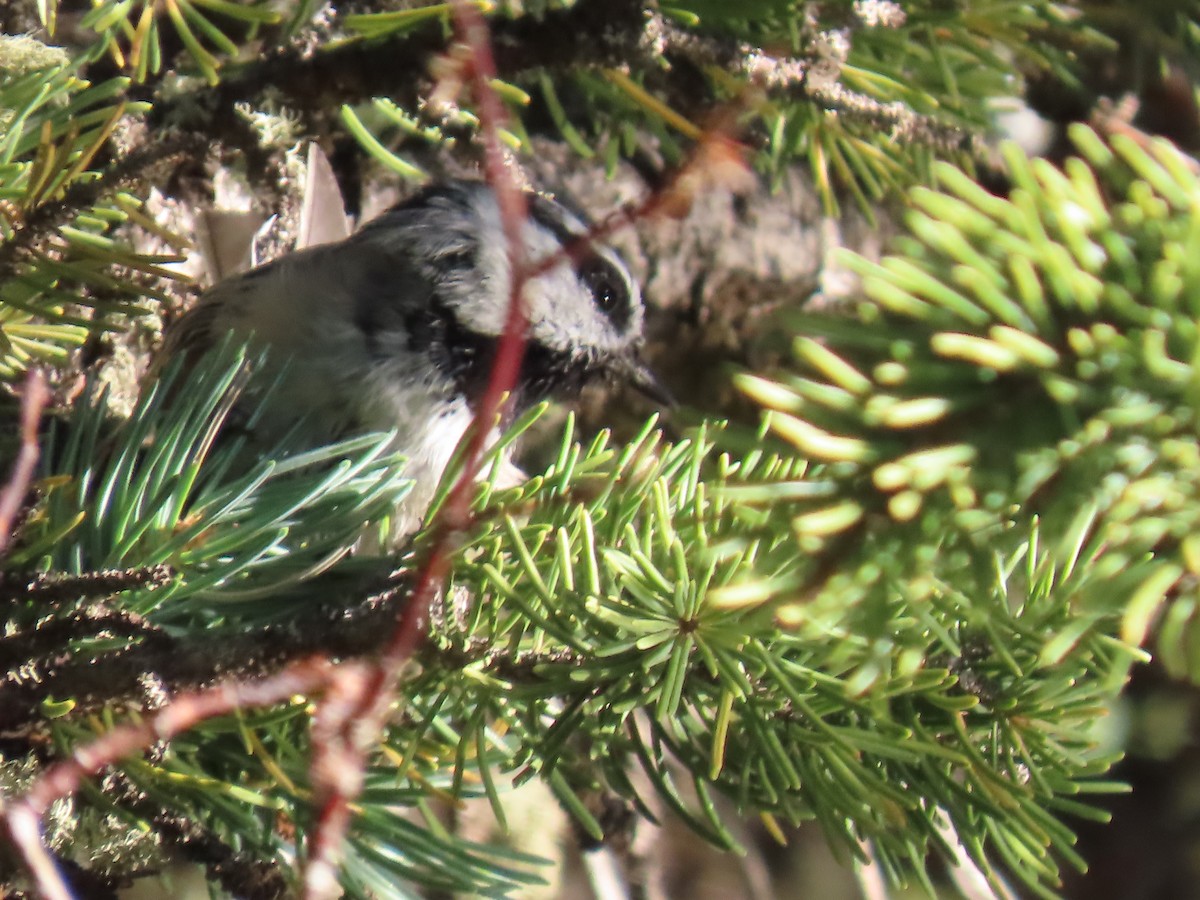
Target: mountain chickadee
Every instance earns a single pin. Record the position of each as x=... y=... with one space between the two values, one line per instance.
x=397 y=325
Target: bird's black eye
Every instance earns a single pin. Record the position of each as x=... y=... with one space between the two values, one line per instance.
x=610 y=291
x=462 y=257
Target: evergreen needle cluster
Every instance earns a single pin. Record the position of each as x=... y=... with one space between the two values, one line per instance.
x=898 y=609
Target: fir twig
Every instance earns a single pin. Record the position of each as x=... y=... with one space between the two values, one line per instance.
x=815 y=77
x=238 y=872
x=52 y=634
x=53 y=588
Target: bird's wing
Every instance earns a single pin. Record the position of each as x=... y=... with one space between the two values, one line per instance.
x=323 y=214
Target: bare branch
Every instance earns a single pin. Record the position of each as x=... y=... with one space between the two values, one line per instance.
x=51 y=588
x=33 y=400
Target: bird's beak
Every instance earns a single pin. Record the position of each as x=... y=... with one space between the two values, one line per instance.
x=640 y=376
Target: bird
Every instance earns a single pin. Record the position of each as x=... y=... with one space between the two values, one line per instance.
x=396 y=326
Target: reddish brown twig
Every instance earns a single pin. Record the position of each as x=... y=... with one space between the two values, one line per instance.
x=716 y=160
x=453 y=515
x=23 y=814
x=33 y=400
x=359 y=724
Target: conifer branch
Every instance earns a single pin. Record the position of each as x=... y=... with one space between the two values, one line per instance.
x=50 y=589
x=897 y=609
x=238 y=872
x=22 y=814
x=586 y=34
